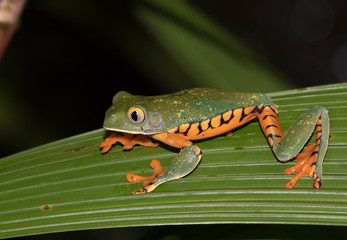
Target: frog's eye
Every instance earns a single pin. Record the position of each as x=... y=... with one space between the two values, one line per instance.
x=136 y=115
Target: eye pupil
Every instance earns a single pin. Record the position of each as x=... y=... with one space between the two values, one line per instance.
x=134 y=116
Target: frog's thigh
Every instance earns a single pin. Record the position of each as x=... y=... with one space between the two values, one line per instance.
x=184 y=163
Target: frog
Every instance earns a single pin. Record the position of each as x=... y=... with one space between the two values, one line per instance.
x=178 y=119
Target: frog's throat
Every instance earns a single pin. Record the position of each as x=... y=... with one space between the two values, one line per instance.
x=129 y=131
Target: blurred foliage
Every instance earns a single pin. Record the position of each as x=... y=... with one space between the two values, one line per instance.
x=206 y=52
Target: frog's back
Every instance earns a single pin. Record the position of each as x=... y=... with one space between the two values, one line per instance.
x=203 y=104
x=231 y=99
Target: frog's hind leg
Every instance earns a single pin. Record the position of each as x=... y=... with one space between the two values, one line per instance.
x=183 y=163
x=310 y=162
x=288 y=145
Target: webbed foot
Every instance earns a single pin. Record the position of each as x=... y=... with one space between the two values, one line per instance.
x=128 y=141
x=146 y=181
x=305 y=166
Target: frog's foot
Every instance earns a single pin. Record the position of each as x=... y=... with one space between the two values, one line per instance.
x=305 y=166
x=148 y=180
x=128 y=141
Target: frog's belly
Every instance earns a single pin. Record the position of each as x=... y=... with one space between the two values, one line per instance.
x=216 y=125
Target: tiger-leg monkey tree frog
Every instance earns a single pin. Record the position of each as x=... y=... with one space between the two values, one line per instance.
x=179 y=118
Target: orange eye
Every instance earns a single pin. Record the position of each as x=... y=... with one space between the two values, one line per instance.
x=136 y=115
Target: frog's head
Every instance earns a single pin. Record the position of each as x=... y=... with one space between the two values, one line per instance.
x=132 y=114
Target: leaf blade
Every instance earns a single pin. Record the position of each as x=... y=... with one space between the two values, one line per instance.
x=238 y=180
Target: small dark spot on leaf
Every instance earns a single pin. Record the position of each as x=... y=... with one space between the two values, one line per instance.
x=79 y=148
x=46 y=207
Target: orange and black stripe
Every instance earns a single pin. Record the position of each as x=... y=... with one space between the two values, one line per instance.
x=227 y=121
x=317 y=180
x=270 y=125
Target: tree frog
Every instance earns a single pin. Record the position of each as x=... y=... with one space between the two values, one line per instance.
x=179 y=118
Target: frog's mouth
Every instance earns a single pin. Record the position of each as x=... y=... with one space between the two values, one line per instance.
x=143 y=132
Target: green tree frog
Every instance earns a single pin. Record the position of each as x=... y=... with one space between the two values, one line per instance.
x=178 y=119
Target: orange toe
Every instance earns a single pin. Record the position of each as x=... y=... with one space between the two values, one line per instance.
x=305 y=166
x=146 y=180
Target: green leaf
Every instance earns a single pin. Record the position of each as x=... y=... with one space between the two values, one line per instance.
x=69 y=185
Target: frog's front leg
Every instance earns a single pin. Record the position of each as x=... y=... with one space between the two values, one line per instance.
x=128 y=141
x=183 y=163
x=288 y=145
